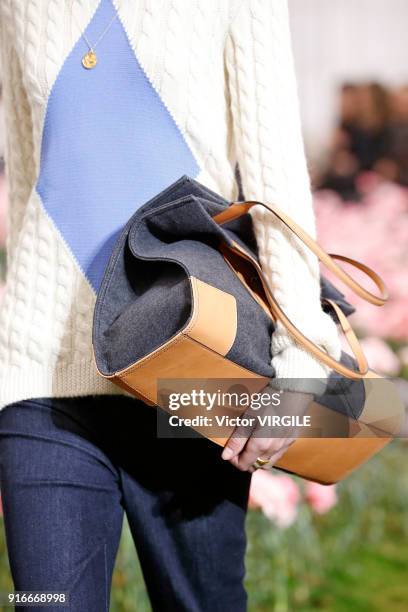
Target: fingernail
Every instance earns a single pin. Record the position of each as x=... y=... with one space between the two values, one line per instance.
x=227 y=453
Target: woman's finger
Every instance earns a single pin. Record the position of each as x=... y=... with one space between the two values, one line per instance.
x=258 y=447
x=240 y=435
x=278 y=454
x=233 y=447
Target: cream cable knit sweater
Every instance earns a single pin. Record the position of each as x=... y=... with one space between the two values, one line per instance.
x=224 y=70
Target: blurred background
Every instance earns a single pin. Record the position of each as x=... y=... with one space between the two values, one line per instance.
x=345 y=547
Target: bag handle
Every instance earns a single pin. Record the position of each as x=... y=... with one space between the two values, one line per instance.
x=237 y=209
x=350 y=335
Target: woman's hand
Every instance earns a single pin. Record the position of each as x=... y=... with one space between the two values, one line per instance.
x=247 y=444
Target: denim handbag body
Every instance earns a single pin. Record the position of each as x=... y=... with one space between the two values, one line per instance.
x=184 y=297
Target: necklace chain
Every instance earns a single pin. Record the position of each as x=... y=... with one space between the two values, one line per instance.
x=89 y=60
x=102 y=35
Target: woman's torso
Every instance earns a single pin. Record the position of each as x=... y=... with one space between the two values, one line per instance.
x=90 y=146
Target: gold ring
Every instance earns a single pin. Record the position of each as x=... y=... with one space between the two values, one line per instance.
x=260 y=462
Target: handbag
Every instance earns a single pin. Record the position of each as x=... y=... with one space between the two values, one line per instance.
x=184 y=297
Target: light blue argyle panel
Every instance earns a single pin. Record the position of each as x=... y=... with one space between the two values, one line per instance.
x=109 y=144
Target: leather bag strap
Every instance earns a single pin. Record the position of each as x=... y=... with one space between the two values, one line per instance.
x=351 y=337
x=237 y=209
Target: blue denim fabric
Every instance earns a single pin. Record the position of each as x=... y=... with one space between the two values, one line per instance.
x=70 y=468
x=145 y=296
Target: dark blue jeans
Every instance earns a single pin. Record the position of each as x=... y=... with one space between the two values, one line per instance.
x=71 y=467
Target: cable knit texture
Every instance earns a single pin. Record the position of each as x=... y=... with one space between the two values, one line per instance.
x=224 y=71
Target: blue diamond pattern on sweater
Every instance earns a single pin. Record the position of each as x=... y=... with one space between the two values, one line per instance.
x=108 y=145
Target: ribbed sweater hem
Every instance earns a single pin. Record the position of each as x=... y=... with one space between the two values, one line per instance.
x=63 y=380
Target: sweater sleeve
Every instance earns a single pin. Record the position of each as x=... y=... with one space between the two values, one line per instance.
x=270 y=152
x=18 y=142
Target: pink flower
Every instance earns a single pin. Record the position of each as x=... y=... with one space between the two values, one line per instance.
x=320 y=497
x=276 y=496
x=380 y=357
x=367 y=181
x=375 y=232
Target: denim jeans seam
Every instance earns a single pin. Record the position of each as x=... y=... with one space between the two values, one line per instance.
x=57 y=481
x=106 y=577
x=88 y=560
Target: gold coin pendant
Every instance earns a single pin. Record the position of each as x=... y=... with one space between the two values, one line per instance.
x=89 y=60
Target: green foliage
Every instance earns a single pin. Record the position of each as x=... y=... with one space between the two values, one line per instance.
x=352 y=558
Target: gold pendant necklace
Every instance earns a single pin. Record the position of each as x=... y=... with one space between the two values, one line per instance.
x=90 y=59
